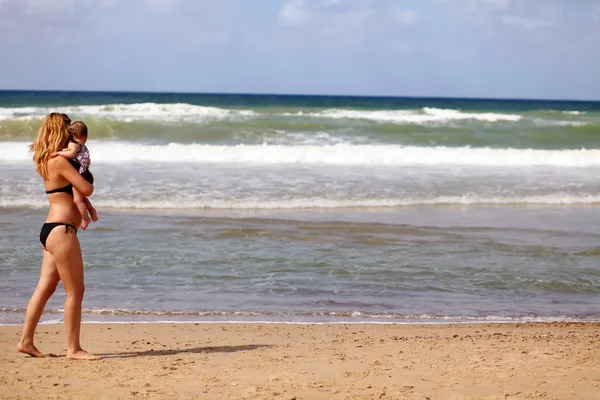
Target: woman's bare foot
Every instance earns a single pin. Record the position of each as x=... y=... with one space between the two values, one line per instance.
x=82 y=355
x=29 y=348
x=94 y=214
x=85 y=222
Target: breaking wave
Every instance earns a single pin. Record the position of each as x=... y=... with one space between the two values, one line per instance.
x=113 y=152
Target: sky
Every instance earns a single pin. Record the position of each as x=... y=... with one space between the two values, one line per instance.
x=547 y=49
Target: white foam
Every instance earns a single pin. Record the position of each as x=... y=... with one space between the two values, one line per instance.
x=279 y=321
x=194 y=113
x=335 y=154
x=545 y=122
x=427 y=115
x=132 y=112
x=172 y=203
x=138 y=316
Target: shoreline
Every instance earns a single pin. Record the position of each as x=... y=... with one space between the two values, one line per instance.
x=55 y=317
x=321 y=323
x=527 y=360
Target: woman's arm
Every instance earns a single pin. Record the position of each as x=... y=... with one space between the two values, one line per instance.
x=70 y=152
x=67 y=171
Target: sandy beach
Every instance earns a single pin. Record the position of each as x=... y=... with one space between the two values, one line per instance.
x=284 y=361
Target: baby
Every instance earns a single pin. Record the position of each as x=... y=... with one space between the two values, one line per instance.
x=79 y=153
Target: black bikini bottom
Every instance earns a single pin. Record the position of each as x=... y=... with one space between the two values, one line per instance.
x=48 y=226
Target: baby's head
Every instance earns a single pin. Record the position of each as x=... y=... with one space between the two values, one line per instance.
x=79 y=131
x=66 y=118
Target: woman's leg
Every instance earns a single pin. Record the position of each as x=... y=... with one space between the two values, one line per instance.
x=45 y=288
x=64 y=247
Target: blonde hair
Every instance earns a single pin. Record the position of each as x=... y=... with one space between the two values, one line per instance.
x=53 y=136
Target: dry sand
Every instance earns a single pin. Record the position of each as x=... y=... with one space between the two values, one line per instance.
x=279 y=361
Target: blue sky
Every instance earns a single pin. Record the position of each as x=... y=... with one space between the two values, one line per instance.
x=456 y=48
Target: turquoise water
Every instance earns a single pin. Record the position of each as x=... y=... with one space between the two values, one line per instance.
x=237 y=207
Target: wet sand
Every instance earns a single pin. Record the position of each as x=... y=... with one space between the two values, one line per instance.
x=282 y=361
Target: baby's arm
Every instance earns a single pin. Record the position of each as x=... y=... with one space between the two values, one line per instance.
x=70 y=152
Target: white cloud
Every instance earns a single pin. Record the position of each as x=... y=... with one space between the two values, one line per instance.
x=350 y=22
x=38 y=22
x=478 y=5
x=159 y=6
x=48 y=9
x=354 y=23
x=57 y=7
x=525 y=16
x=525 y=23
x=39 y=7
x=405 y=17
x=477 y=11
x=293 y=12
x=499 y=5
x=36 y=17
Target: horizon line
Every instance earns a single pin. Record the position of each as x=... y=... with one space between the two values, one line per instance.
x=307 y=95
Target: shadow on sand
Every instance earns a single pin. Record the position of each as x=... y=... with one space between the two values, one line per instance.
x=170 y=352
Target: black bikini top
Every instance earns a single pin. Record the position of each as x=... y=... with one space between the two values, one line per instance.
x=65 y=189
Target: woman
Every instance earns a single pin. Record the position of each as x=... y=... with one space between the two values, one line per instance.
x=62 y=255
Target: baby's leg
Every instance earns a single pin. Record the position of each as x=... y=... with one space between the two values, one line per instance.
x=91 y=209
x=80 y=203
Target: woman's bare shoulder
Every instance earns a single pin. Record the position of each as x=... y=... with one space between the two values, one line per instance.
x=58 y=162
x=57 y=166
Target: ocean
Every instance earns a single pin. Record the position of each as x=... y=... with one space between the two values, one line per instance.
x=227 y=207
